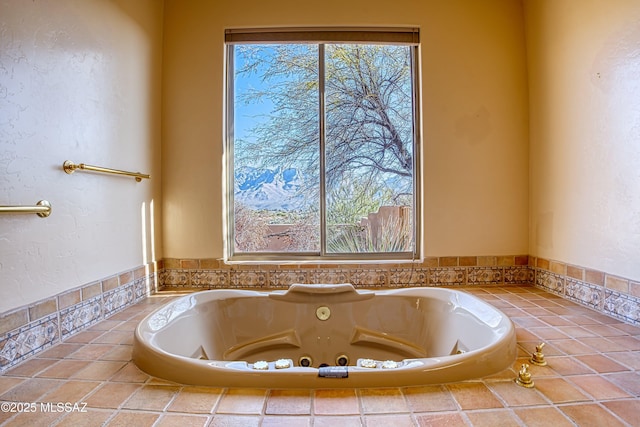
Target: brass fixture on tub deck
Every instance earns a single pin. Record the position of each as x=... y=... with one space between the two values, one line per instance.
x=42 y=209
x=537 y=358
x=524 y=377
x=70 y=167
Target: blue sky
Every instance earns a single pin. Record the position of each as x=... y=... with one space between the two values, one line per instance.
x=246 y=115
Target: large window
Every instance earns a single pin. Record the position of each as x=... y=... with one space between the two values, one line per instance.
x=322 y=145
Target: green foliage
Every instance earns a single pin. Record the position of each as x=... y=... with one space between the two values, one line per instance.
x=353 y=200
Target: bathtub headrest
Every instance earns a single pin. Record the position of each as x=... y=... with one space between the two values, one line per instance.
x=342 y=292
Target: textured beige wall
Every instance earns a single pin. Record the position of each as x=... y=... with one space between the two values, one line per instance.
x=79 y=80
x=584 y=71
x=474 y=103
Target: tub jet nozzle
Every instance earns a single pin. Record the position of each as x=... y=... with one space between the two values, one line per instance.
x=323 y=313
x=342 y=360
x=305 y=361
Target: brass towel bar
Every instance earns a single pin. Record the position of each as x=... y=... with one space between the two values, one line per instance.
x=70 y=167
x=42 y=209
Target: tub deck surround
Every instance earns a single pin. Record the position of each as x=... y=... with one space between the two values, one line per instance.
x=592 y=378
x=319 y=336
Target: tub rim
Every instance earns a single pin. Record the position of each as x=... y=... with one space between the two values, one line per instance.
x=417 y=371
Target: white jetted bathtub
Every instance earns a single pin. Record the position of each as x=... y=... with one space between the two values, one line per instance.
x=324 y=336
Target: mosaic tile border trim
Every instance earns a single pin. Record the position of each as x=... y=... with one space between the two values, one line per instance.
x=30 y=330
x=622 y=306
x=609 y=294
x=29 y=340
x=364 y=278
x=444 y=271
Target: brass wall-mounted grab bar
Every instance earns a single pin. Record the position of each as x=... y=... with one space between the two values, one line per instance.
x=42 y=209
x=70 y=167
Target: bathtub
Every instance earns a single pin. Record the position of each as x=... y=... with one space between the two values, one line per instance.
x=324 y=336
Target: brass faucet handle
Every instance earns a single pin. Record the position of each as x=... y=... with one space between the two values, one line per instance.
x=524 y=377
x=537 y=358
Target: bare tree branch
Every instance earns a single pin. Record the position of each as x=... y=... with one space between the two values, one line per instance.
x=368 y=109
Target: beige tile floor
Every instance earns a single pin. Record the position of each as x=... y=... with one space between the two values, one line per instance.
x=592 y=379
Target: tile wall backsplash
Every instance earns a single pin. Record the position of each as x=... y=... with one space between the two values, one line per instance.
x=612 y=295
x=445 y=271
x=608 y=294
x=27 y=331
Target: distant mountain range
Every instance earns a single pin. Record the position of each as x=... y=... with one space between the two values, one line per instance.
x=278 y=188
x=272 y=189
